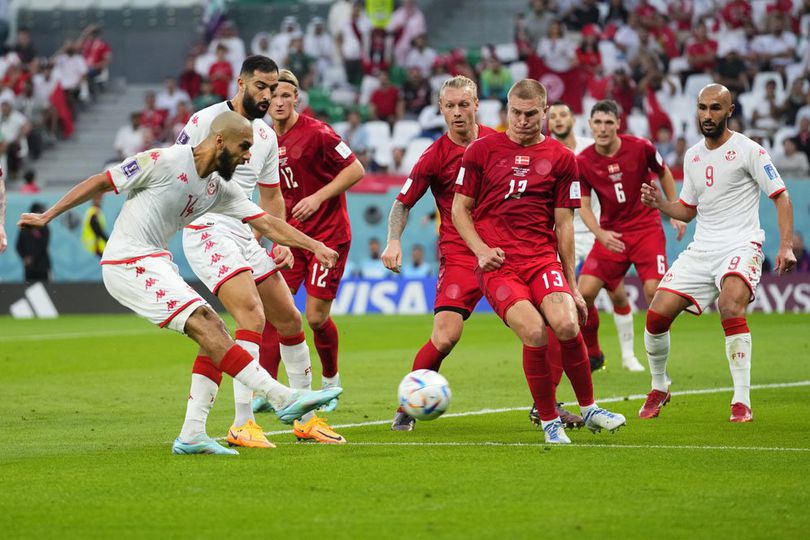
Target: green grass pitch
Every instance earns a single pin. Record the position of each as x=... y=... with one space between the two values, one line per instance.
x=89 y=407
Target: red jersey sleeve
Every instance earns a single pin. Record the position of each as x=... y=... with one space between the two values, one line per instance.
x=420 y=179
x=470 y=175
x=568 y=189
x=337 y=154
x=654 y=160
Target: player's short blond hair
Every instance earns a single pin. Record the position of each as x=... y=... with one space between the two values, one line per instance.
x=460 y=82
x=528 y=89
x=287 y=76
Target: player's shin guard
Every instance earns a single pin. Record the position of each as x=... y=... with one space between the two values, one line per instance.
x=429 y=357
x=738 y=352
x=577 y=368
x=590 y=332
x=623 y=317
x=205 y=380
x=269 y=351
x=656 y=342
x=554 y=357
x=242 y=395
x=541 y=386
x=326 y=343
x=239 y=364
x=295 y=355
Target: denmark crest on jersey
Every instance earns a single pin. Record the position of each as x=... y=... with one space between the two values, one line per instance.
x=730 y=155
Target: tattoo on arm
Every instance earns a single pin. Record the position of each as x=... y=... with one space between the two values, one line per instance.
x=2 y=202
x=397 y=219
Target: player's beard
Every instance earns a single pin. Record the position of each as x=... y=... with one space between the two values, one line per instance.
x=225 y=165
x=717 y=131
x=252 y=108
x=562 y=135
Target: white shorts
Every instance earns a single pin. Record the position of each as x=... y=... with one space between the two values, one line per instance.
x=153 y=288
x=583 y=242
x=698 y=275
x=216 y=255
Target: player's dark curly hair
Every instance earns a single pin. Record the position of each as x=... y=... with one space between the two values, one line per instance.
x=606 y=106
x=259 y=63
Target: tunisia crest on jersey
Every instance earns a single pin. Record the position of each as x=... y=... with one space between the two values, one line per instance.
x=730 y=155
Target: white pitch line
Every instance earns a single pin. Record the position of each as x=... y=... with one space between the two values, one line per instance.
x=77 y=335
x=605 y=400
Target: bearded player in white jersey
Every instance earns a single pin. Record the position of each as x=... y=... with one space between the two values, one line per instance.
x=723 y=175
x=225 y=256
x=169 y=188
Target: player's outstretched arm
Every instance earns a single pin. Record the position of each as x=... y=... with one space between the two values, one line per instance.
x=271 y=200
x=611 y=240
x=564 y=229
x=489 y=258
x=397 y=220
x=349 y=176
x=651 y=196
x=281 y=232
x=785 y=258
x=668 y=185
x=81 y=193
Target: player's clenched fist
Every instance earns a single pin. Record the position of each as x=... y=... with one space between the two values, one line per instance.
x=283 y=257
x=392 y=256
x=649 y=195
x=491 y=259
x=326 y=257
x=32 y=220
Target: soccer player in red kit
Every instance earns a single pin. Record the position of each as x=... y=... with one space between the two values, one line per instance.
x=316 y=168
x=514 y=207
x=457 y=291
x=628 y=232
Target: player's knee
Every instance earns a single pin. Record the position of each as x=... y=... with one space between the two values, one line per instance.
x=534 y=338
x=446 y=338
x=566 y=330
x=316 y=319
x=730 y=309
x=657 y=323
x=291 y=324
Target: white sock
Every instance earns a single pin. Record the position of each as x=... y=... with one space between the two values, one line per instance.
x=624 y=329
x=657 y=346
x=544 y=423
x=738 y=352
x=200 y=401
x=298 y=365
x=584 y=410
x=242 y=395
x=330 y=382
x=256 y=377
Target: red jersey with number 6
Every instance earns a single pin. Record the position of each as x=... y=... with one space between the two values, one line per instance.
x=516 y=189
x=310 y=155
x=617 y=182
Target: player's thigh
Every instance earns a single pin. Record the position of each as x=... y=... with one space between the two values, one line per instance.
x=550 y=291
x=503 y=288
x=447 y=328
x=152 y=288
x=322 y=282
x=734 y=297
x=296 y=275
x=601 y=268
x=744 y=263
x=241 y=298
x=214 y=255
x=457 y=288
x=648 y=253
x=526 y=322
x=619 y=296
x=692 y=279
x=279 y=306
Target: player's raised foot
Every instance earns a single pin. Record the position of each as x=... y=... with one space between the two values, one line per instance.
x=597 y=419
x=201 y=444
x=632 y=364
x=303 y=401
x=403 y=421
x=652 y=405
x=261 y=404
x=740 y=412
x=555 y=433
x=597 y=362
x=332 y=405
x=316 y=429
x=249 y=435
x=569 y=419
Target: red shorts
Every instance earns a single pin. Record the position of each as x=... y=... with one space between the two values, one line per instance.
x=646 y=250
x=318 y=281
x=457 y=288
x=508 y=285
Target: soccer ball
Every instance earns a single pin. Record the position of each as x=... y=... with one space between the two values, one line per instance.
x=424 y=394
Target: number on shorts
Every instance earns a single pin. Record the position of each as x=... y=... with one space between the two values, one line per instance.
x=735 y=261
x=557 y=280
x=619 y=192
x=709 y=176
x=662 y=264
x=287 y=173
x=319 y=280
x=521 y=187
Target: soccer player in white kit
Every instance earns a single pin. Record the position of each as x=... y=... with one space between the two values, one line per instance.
x=723 y=175
x=225 y=256
x=169 y=188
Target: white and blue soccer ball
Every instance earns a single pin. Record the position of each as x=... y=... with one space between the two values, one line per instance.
x=424 y=394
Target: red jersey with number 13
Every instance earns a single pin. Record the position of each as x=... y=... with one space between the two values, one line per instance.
x=310 y=155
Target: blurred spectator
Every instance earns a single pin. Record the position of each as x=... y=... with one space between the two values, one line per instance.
x=674 y=159
x=94 y=228
x=398 y=165
x=405 y=24
x=538 y=21
x=620 y=88
x=416 y=93
x=356 y=133
x=97 y=53
x=15 y=78
x=766 y=111
x=589 y=58
x=700 y=51
x=681 y=13
x=260 y=44
x=30 y=185
x=503 y=120
x=280 y=43
x=45 y=90
x=221 y=73
x=319 y=45
x=385 y=100
x=776 y=48
x=496 y=80
x=177 y=122
x=457 y=64
x=438 y=75
x=790 y=162
x=299 y=62
x=795 y=99
x=131 y=138
x=14 y=129
x=731 y=72
x=340 y=12
x=558 y=51
x=152 y=117
x=421 y=56
x=353 y=40
x=735 y=13
x=663 y=141
x=667 y=39
x=203 y=59
x=802 y=138
x=70 y=70
x=32 y=247
x=170 y=96
x=627 y=38
x=378 y=56
x=234 y=46
x=37 y=111
x=24 y=47
x=523 y=43
x=417 y=268
x=207 y=96
x=190 y=81
x=372 y=267
x=802 y=256
x=586 y=12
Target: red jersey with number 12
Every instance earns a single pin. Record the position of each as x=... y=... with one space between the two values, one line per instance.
x=516 y=189
x=437 y=169
x=310 y=155
x=617 y=182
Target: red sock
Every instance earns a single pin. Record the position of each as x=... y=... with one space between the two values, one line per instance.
x=626 y=310
x=429 y=357
x=269 y=353
x=326 y=343
x=734 y=326
x=540 y=384
x=553 y=357
x=591 y=332
x=578 y=368
x=235 y=360
x=205 y=366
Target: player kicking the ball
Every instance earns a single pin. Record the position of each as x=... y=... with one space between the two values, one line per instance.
x=723 y=175
x=514 y=207
x=227 y=258
x=170 y=188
